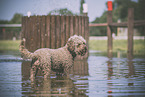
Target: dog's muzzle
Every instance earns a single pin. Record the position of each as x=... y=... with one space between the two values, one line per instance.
x=83 y=51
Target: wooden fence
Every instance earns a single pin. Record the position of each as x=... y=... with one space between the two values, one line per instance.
x=130 y=24
x=52 y=31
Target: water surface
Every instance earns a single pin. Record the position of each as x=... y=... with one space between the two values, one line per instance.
x=97 y=76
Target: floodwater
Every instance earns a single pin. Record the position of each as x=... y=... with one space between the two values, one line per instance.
x=99 y=76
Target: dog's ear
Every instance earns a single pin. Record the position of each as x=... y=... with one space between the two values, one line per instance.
x=71 y=45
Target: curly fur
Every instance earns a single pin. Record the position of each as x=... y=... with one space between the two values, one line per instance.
x=59 y=60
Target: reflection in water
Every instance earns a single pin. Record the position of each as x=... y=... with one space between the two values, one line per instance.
x=110 y=55
x=123 y=81
x=131 y=71
x=114 y=76
x=56 y=85
x=110 y=70
x=129 y=63
x=130 y=66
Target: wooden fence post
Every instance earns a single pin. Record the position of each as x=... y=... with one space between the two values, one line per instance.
x=109 y=34
x=130 y=31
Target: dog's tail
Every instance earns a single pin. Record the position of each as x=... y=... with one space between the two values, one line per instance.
x=24 y=52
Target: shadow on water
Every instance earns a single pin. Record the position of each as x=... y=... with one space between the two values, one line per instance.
x=118 y=75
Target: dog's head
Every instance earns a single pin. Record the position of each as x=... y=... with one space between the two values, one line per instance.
x=77 y=45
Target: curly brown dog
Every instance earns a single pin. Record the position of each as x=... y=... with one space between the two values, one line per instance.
x=58 y=60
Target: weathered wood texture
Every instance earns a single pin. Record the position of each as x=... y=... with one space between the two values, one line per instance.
x=52 y=31
x=109 y=34
x=97 y=24
x=130 y=31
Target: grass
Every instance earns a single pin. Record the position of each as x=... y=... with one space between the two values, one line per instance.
x=118 y=45
x=99 y=45
x=9 y=45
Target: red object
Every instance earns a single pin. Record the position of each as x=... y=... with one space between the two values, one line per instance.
x=110 y=6
x=109 y=91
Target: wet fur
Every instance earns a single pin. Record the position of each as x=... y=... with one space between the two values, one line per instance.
x=59 y=60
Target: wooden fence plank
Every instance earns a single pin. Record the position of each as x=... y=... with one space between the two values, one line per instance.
x=25 y=31
x=58 y=32
x=97 y=24
x=124 y=24
x=53 y=35
x=83 y=27
x=38 y=32
x=10 y=25
x=28 y=33
x=31 y=28
x=80 y=24
x=33 y=33
x=63 y=30
x=71 y=26
x=48 y=34
x=67 y=28
x=86 y=28
x=76 y=30
x=43 y=32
